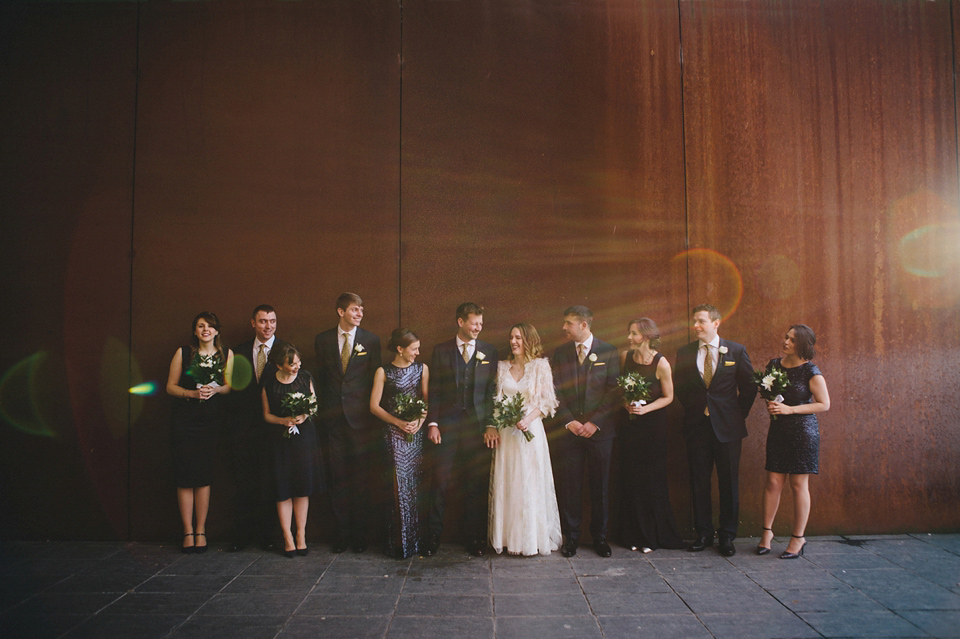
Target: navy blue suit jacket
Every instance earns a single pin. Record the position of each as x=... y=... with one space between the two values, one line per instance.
x=346 y=394
x=444 y=373
x=602 y=396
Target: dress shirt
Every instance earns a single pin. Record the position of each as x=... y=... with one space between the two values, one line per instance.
x=268 y=346
x=587 y=345
x=471 y=347
x=350 y=335
x=714 y=354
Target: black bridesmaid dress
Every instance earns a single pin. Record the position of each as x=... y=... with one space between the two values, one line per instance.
x=296 y=460
x=793 y=441
x=193 y=431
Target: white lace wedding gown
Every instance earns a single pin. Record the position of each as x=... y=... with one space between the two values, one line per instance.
x=524 y=518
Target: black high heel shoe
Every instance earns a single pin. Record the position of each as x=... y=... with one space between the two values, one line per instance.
x=764 y=550
x=794 y=555
x=200 y=549
x=188 y=550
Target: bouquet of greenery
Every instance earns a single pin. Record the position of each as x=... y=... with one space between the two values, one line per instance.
x=294 y=404
x=409 y=408
x=205 y=369
x=636 y=389
x=507 y=412
x=771 y=384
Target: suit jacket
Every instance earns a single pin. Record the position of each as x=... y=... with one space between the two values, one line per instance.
x=729 y=397
x=345 y=395
x=601 y=395
x=247 y=403
x=445 y=378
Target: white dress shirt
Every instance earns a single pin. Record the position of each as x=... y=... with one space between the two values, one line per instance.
x=350 y=336
x=471 y=347
x=714 y=354
x=268 y=346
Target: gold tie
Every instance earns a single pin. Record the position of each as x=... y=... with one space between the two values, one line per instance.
x=345 y=352
x=466 y=356
x=580 y=353
x=261 y=361
x=707 y=366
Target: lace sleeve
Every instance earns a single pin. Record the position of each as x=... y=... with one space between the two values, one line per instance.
x=542 y=393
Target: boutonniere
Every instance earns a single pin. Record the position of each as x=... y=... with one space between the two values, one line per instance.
x=480 y=356
x=723 y=350
x=593 y=357
x=358 y=349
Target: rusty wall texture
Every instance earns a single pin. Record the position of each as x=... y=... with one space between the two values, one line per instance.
x=788 y=161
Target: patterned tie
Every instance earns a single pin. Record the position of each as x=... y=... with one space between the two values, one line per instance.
x=466 y=355
x=261 y=360
x=707 y=366
x=581 y=353
x=345 y=352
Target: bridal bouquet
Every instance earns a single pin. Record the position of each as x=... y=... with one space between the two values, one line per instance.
x=409 y=408
x=771 y=383
x=636 y=389
x=206 y=370
x=298 y=404
x=507 y=412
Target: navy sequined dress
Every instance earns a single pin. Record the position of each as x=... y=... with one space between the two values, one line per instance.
x=793 y=442
x=406 y=461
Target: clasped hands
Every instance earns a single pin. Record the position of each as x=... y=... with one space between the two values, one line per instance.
x=206 y=392
x=582 y=430
x=491 y=436
x=779 y=408
x=293 y=422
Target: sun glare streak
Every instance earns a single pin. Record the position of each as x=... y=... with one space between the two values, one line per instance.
x=147 y=388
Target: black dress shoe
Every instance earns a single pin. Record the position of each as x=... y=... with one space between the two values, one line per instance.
x=727 y=548
x=700 y=543
x=568 y=549
x=602 y=548
x=430 y=545
x=478 y=548
x=359 y=547
x=340 y=546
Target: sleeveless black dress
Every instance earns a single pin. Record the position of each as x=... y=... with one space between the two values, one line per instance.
x=296 y=460
x=406 y=524
x=793 y=441
x=646 y=517
x=193 y=431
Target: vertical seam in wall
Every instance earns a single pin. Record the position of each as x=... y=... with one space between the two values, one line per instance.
x=683 y=144
x=133 y=191
x=400 y=184
x=953 y=62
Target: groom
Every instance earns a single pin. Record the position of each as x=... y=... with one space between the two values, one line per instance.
x=463 y=381
x=585 y=371
x=713 y=381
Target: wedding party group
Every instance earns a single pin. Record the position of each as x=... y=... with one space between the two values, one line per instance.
x=514 y=441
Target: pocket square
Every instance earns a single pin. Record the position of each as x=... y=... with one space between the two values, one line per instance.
x=483 y=362
x=360 y=354
x=729 y=363
x=599 y=363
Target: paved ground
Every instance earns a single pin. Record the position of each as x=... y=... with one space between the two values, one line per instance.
x=884 y=586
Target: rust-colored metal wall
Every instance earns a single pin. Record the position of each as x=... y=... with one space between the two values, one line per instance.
x=798 y=166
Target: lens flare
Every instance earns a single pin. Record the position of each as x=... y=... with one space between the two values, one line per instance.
x=147 y=388
x=19 y=396
x=713 y=277
x=117 y=369
x=242 y=373
x=931 y=251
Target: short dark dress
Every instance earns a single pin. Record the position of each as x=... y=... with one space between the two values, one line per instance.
x=793 y=442
x=193 y=431
x=406 y=524
x=296 y=460
x=646 y=517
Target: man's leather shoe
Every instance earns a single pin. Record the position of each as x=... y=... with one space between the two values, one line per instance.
x=727 y=548
x=478 y=548
x=431 y=545
x=602 y=548
x=700 y=543
x=568 y=549
x=359 y=547
x=340 y=546
x=236 y=546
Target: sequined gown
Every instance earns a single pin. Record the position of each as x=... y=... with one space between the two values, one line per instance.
x=524 y=518
x=646 y=517
x=406 y=524
x=793 y=441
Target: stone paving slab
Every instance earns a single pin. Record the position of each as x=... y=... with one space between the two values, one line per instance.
x=857 y=586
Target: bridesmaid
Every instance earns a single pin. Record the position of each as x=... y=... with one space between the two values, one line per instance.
x=403 y=375
x=195 y=418
x=296 y=458
x=646 y=517
x=793 y=442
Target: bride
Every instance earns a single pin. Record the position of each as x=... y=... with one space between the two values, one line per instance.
x=524 y=519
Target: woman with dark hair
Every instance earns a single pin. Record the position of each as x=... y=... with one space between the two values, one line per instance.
x=524 y=518
x=646 y=517
x=197 y=379
x=793 y=442
x=404 y=437
x=286 y=398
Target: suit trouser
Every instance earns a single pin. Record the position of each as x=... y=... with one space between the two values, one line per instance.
x=704 y=451
x=571 y=455
x=462 y=456
x=355 y=490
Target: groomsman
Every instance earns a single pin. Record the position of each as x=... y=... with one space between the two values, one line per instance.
x=713 y=381
x=463 y=381
x=347 y=358
x=255 y=512
x=585 y=371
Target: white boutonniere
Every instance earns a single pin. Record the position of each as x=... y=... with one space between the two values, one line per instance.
x=480 y=356
x=593 y=357
x=358 y=349
x=723 y=350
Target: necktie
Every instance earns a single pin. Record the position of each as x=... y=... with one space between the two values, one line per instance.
x=261 y=360
x=580 y=353
x=466 y=356
x=345 y=352
x=707 y=366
